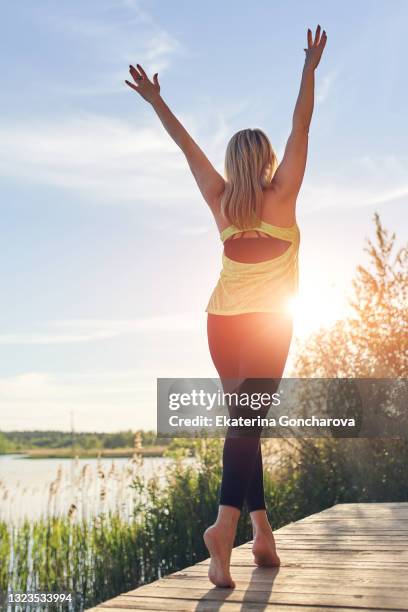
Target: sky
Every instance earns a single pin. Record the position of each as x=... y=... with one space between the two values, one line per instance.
x=109 y=254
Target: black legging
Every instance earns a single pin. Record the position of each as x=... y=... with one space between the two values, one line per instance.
x=251 y=349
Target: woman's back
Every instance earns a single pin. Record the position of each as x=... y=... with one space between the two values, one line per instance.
x=259 y=265
x=255 y=245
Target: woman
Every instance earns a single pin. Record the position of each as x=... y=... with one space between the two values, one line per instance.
x=249 y=320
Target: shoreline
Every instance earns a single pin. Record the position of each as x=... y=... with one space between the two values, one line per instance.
x=65 y=453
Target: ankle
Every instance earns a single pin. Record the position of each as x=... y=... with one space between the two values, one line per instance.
x=227 y=518
x=260 y=522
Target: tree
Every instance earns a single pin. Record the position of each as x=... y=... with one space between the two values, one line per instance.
x=373 y=341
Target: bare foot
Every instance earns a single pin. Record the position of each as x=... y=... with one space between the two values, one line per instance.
x=264 y=549
x=219 y=546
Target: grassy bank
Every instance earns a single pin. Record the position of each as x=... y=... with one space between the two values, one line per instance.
x=91 y=453
x=55 y=443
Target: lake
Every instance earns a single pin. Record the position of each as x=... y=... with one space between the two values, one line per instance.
x=30 y=488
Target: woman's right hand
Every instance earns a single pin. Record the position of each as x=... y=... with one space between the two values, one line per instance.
x=314 y=47
x=149 y=90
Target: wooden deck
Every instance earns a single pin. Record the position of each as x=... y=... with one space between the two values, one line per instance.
x=349 y=557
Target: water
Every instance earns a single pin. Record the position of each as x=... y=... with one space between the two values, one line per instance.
x=30 y=488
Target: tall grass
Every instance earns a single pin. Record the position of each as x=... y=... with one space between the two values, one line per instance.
x=99 y=555
x=90 y=488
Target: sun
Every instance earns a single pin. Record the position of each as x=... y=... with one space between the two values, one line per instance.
x=313 y=310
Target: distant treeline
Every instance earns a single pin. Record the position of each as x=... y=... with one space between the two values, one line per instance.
x=22 y=440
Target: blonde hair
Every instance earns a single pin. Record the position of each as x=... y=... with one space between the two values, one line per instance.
x=250 y=163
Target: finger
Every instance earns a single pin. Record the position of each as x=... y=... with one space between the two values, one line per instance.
x=155 y=79
x=144 y=75
x=317 y=36
x=323 y=40
x=135 y=74
x=131 y=85
x=133 y=70
x=309 y=37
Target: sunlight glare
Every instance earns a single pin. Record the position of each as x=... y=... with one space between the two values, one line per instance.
x=312 y=311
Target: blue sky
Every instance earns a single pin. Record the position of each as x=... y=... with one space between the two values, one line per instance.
x=109 y=254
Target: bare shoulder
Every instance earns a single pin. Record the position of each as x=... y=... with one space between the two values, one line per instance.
x=278 y=208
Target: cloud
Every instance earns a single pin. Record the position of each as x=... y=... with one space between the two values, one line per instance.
x=363 y=181
x=159 y=50
x=104 y=401
x=324 y=86
x=111 y=37
x=91 y=330
x=36 y=385
x=105 y=159
x=98 y=157
x=109 y=160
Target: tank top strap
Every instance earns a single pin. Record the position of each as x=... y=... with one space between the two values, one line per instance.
x=291 y=234
x=228 y=232
x=284 y=233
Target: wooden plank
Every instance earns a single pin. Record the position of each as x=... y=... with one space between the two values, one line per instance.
x=398 y=557
x=345 y=558
x=291 y=549
x=319 y=575
x=186 y=605
x=300 y=575
x=345 y=526
x=376 y=507
x=353 y=520
x=291 y=578
x=340 y=546
x=284 y=534
x=390 y=601
x=318 y=587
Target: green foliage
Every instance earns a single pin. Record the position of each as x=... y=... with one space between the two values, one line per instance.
x=4 y=444
x=54 y=554
x=173 y=518
x=324 y=472
x=181 y=447
x=23 y=440
x=109 y=554
x=373 y=342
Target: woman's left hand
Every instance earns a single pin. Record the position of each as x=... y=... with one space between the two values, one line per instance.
x=149 y=90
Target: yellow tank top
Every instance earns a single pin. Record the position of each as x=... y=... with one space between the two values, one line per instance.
x=266 y=286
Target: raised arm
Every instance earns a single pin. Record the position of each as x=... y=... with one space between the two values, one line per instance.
x=209 y=181
x=289 y=174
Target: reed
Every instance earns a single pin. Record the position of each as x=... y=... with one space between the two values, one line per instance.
x=98 y=550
